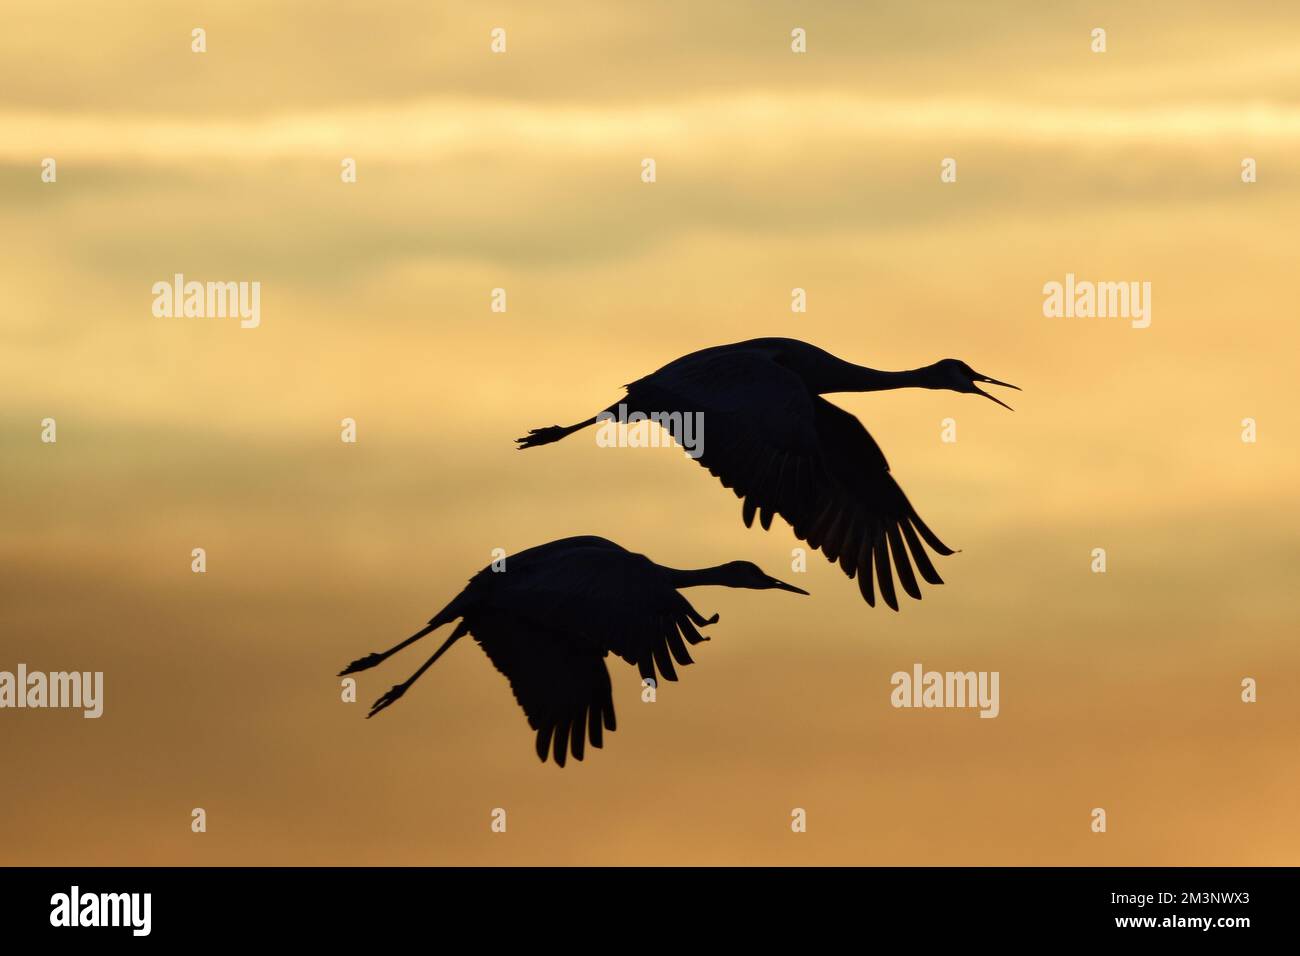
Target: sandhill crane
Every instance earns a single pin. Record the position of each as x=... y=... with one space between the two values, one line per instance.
x=551 y=615
x=785 y=450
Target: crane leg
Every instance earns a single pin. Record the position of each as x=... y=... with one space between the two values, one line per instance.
x=397 y=690
x=553 y=433
x=370 y=660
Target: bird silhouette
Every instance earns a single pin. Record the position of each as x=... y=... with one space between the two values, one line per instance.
x=549 y=617
x=785 y=450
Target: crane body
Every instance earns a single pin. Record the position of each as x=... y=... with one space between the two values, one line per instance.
x=785 y=450
x=550 y=616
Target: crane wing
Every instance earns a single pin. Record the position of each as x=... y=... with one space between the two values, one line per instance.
x=609 y=600
x=551 y=621
x=563 y=688
x=787 y=451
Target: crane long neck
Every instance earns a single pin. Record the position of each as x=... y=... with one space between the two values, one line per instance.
x=847 y=377
x=699 y=577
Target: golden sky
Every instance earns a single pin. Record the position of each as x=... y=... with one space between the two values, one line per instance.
x=522 y=171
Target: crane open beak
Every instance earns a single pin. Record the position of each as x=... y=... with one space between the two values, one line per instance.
x=994 y=381
x=782 y=586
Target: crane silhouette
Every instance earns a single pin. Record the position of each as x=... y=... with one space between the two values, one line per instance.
x=549 y=618
x=785 y=450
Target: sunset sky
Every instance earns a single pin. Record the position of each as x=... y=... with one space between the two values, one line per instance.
x=522 y=171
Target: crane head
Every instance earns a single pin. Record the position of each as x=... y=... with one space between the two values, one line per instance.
x=746 y=574
x=957 y=376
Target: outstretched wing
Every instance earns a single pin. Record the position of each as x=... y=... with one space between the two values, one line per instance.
x=607 y=599
x=787 y=451
x=563 y=688
x=551 y=621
